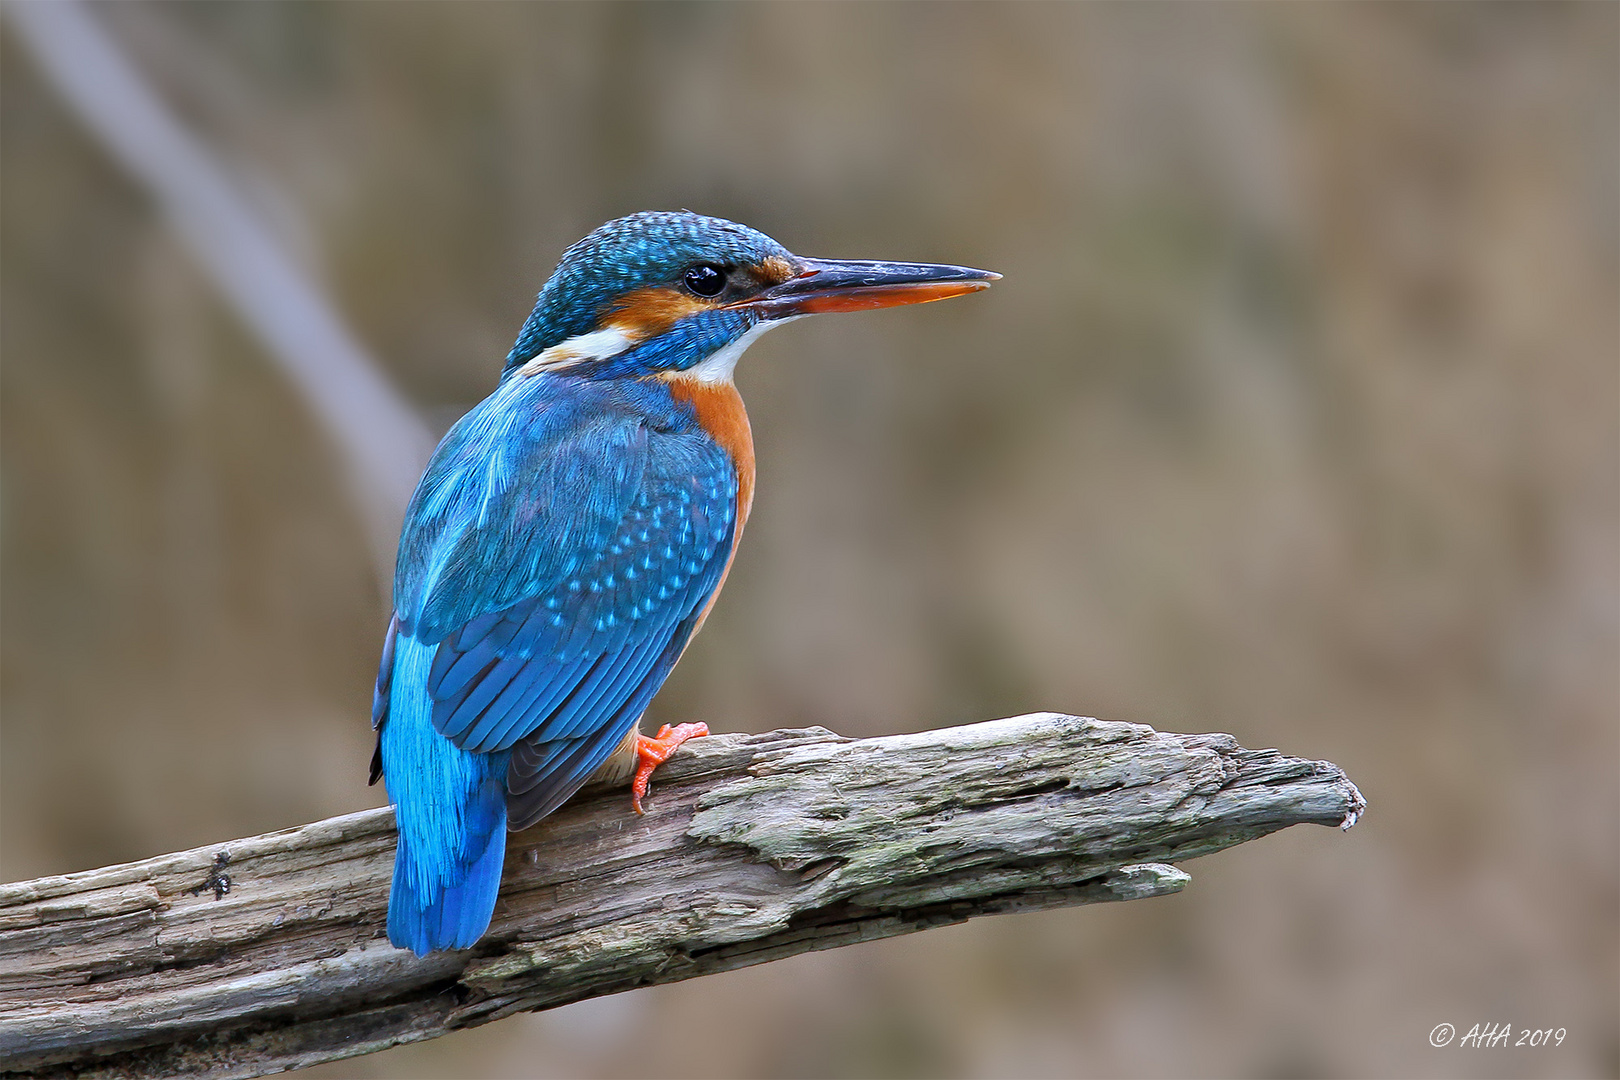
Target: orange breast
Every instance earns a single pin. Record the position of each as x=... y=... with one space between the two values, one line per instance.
x=721 y=414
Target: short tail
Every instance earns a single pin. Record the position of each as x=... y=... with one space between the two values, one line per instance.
x=451 y=808
x=443 y=916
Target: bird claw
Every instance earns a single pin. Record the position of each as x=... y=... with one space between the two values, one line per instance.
x=653 y=752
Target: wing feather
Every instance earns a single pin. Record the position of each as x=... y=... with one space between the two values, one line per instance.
x=561 y=586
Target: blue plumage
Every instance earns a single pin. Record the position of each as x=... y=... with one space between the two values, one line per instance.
x=554 y=558
x=569 y=535
x=451 y=809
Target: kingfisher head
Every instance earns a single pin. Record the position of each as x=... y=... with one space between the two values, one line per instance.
x=681 y=295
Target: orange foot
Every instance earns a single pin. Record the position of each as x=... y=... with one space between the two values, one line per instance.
x=653 y=752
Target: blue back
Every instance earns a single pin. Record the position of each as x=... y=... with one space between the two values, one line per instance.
x=565 y=537
x=556 y=558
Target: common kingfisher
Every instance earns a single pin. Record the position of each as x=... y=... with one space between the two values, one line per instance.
x=569 y=537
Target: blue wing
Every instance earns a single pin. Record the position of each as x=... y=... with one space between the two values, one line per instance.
x=560 y=553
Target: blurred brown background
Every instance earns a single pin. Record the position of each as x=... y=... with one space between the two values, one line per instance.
x=1296 y=416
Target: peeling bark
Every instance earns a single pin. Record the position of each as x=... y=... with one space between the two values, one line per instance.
x=269 y=953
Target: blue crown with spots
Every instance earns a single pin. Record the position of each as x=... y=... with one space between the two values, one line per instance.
x=645 y=249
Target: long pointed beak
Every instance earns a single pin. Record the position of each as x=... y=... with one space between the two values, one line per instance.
x=824 y=286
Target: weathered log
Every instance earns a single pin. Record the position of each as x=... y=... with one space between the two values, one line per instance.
x=268 y=953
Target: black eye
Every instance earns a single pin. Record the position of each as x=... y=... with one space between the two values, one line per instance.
x=705 y=279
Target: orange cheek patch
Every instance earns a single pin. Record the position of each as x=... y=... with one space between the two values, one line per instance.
x=649 y=312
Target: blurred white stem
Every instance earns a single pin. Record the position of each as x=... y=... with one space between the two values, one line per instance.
x=383 y=441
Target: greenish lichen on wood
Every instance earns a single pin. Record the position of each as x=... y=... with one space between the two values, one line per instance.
x=755 y=848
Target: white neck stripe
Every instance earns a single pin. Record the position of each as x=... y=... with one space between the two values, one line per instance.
x=597 y=345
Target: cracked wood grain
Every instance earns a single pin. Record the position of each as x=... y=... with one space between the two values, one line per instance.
x=754 y=848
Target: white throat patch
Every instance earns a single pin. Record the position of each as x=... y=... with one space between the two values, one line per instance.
x=718 y=365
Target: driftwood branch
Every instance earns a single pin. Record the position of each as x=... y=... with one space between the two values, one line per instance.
x=269 y=953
